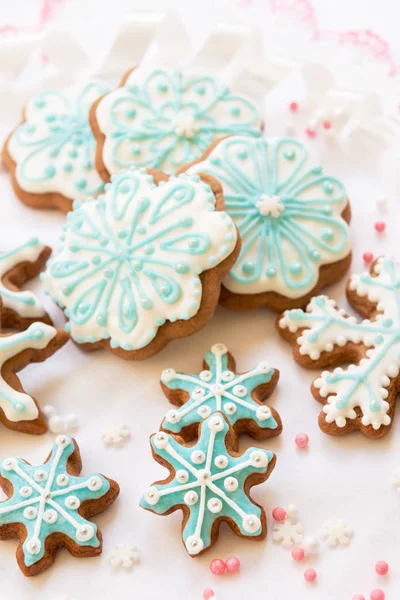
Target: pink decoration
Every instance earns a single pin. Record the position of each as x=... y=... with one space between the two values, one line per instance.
x=208 y=593
x=310 y=575
x=358 y=597
x=279 y=514
x=327 y=124
x=301 y=440
x=311 y=133
x=298 y=553
x=233 y=564
x=377 y=595
x=217 y=566
x=368 y=257
x=293 y=106
x=382 y=567
x=380 y=226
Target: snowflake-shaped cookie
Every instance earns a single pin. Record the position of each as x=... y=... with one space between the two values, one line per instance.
x=48 y=506
x=131 y=261
x=218 y=388
x=165 y=118
x=336 y=532
x=287 y=532
x=210 y=483
x=18 y=410
x=51 y=154
x=362 y=395
x=115 y=435
x=124 y=555
x=291 y=218
x=20 y=308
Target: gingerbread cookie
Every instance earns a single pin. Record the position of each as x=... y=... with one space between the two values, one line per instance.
x=165 y=118
x=291 y=217
x=49 y=506
x=362 y=395
x=51 y=154
x=142 y=264
x=210 y=482
x=239 y=396
x=21 y=308
x=18 y=410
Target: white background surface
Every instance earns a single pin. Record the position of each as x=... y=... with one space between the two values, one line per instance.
x=346 y=478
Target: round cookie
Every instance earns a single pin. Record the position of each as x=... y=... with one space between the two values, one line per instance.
x=51 y=153
x=291 y=217
x=210 y=483
x=49 y=506
x=142 y=264
x=164 y=118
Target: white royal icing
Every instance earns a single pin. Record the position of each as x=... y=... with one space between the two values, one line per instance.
x=131 y=260
x=54 y=148
x=25 y=303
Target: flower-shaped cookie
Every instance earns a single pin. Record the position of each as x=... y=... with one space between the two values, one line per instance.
x=51 y=154
x=164 y=118
x=142 y=264
x=291 y=217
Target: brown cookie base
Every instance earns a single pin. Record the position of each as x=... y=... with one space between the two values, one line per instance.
x=340 y=355
x=87 y=509
x=260 y=394
x=13 y=280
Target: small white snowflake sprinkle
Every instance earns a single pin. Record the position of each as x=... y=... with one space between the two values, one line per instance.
x=287 y=532
x=336 y=533
x=396 y=481
x=116 y=435
x=124 y=555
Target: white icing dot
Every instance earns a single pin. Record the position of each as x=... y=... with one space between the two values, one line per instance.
x=50 y=516
x=198 y=393
x=230 y=408
x=152 y=495
x=160 y=440
x=182 y=476
x=205 y=375
x=227 y=376
x=30 y=512
x=216 y=424
x=251 y=523
x=239 y=390
x=63 y=441
x=194 y=544
x=214 y=505
x=62 y=479
x=172 y=416
x=168 y=375
x=191 y=498
x=258 y=459
x=204 y=411
x=94 y=483
x=25 y=491
x=263 y=367
x=9 y=464
x=198 y=457
x=72 y=502
x=85 y=533
x=221 y=461
x=40 y=475
x=231 y=484
x=219 y=349
x=33 y=546
x=263 y=413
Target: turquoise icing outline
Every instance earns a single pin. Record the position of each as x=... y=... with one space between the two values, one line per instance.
x=22 y=476
x=236 y=505
x=24 y=297
x=218 y=374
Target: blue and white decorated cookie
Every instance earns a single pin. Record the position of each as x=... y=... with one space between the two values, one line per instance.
x=239 y=396
x=142 y=264
x=292 y=220
x=164 y=118
x=210 y=483
x=49 y=506
x=51 y=154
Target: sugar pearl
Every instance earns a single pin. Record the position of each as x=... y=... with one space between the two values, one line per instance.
x=380 y=226
x=358 y=597
x=279 y=514
x=293 y=106
x=298 y=553
x=301 y=440
x=377 y=595
x=310 y=575
x=233 y=564
x=368 y=257
x=217 y=566
x=311 y=133
x=327 y=124
x=311 y=545
x=208 y=594
x=381 y=567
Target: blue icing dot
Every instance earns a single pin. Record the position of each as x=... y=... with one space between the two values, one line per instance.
x=215 y=160
x=51 y=118
x=295 y=267
x=182 y=268
x=242 y=154
x=122 y=233
x=201 y=90
x=162 y=87
x=248 y=267
x=130 y=113
x=88 y=165
x=271 y=271
x=212 y=260
x=235 y=111
x=328 y=187
x=314 y=254
x=73 y=153
x=81 y=184
x=108 y=273
x=327 y=210
x=96 y=260
x=378 y=339
x=40 y=103
x=387 y=322
x=124 y=188
x=289 y=154
x=68 y=167
x=327 y=233
x=77 y=141
x=50 y=171
x=135 y=149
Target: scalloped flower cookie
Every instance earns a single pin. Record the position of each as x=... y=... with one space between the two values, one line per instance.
x=363 y=394
x=142 y=264
x=163 y=118
x=51 y=154
x=292 y=218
